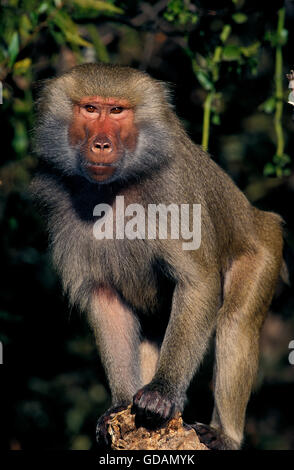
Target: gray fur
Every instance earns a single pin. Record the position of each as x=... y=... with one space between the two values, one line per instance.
x=177 y=298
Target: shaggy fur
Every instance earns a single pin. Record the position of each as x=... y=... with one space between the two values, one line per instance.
x=137 y=291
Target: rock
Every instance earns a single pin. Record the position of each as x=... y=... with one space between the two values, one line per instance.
x=124 y=435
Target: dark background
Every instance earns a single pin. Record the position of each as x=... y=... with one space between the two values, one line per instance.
x=52 y=384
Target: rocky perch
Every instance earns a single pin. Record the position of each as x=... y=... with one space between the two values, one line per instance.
x=124 y=435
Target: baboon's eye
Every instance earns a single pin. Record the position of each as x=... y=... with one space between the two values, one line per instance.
x=116 y=110
x=90 y=108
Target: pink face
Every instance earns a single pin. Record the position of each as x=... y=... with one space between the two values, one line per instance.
x=104 y=127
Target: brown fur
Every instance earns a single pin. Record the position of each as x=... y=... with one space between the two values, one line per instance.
x=137 y=291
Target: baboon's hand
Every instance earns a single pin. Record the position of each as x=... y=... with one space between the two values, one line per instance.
x=153 y=409
x=102 y=423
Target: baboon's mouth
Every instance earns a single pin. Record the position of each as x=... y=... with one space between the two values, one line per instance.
x=98 y=164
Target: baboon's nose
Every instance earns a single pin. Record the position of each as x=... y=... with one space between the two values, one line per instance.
x=101 y=144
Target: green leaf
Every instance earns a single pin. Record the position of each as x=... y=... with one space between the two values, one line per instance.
x=269 y=169
x=194 y=19
x=250 y=50
x=20 y=140
x=42 y=8
x=13 y=48
x=283 y=37
x=97 y=6
x=281 y=160
x=287 y=172
x=168 y=16
x=231 y=53
x=25 y=27
x=240 y=17
x=75 y=38
x=178 y=12
x=21 y=106
x=22 y=66
x=277 y=39
x=34 y=18
x=269 y=105
x=225 y=32
x=57 y=35
x=69 y=29
x=271 y=36
x=216 y=119
x=204 y=80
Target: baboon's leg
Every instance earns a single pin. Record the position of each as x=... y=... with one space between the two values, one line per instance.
x=249 y=287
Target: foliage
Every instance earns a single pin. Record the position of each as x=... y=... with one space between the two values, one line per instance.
x=180 y=12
